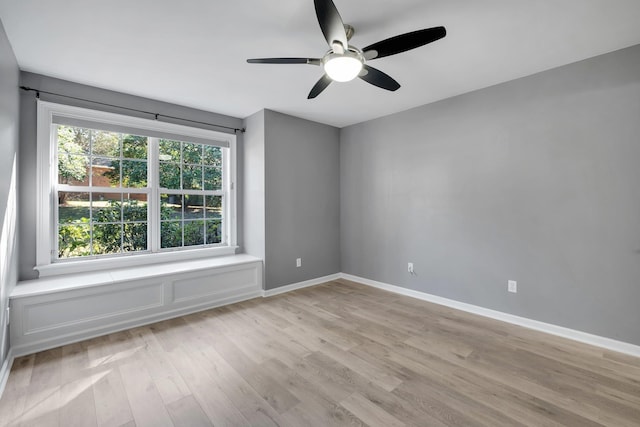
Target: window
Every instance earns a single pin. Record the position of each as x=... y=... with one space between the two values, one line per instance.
x=121 y=186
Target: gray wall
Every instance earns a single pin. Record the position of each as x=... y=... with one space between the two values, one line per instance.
x=535 y=180
x=27 y=177
x=9 y=119
x=254 y=190
x=302 y=201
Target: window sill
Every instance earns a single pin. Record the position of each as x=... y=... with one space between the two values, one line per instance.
x=84 y=280
x=92 y=266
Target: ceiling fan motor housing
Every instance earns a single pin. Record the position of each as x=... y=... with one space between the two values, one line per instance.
x=343 y=67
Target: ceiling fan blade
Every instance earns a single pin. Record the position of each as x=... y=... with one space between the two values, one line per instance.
x=404 y=42
x=312 y=61
x=319 y=86
x=331 y=23
x=378 y=78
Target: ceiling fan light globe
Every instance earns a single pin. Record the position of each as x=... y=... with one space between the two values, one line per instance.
x=343 y=68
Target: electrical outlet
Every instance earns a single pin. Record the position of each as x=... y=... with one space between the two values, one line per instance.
x=298 y=262
x=410 y=267
x=512 y=286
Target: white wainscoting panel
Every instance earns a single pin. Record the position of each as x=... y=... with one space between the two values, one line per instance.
x=42 y=320
x=65 y=310
x=220 y=283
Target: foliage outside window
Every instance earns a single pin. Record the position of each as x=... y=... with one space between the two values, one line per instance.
x=111 y=197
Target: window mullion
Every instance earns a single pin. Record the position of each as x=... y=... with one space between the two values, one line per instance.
x=226 y=187
x=153 y=203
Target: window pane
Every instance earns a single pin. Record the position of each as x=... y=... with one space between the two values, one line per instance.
x=191 y=177
x=134 y=173
x=212 y=178
x=105 y=144
x=170 y=234
x=193 y=233
x=193 y=206
x=170 y=206
x=170 y=175
x=134 y=237
x=213 y=207
x=107 y=239
x=169 y=150
x=212 y=156
x=72 y=169
x=105 y=172
x=74 y=240
x=106 y=207
x=73 y=140
x=134 y=147
x=135 y=208
x=191 y=153
x=73 y=207
x=214 y=231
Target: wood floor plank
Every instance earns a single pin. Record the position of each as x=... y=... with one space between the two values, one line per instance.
x=620 y=358
x=432 y=366
x=12 y=407
x=382 y=333
x=242 y=335
x=77 y=404
x=41 y=407
x=327 y=329
x=47 y=369
x=144 y=399
x=373 y=373
x=278 y=397
x=110 y=398
x=312 y=414
x=168 y=333
x=316 y=407
x=187 y=412
x=335 y=354
x=21 y=370
x=251 y=405
x=75 y=363
x=548 y=384
x=166 y=378
x=450 y=406
x=42 y=401
x=369 y=413
x=206 y=390
x=512 y=402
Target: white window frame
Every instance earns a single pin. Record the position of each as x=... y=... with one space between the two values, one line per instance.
x=46 y=234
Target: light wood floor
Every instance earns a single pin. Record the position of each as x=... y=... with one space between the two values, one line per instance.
x=334 y=354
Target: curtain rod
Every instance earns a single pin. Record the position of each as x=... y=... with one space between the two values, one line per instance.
x=155 y=115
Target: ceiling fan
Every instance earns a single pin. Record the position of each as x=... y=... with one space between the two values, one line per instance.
x=344 y=62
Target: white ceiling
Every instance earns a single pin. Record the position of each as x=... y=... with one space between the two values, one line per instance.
x=193 y=52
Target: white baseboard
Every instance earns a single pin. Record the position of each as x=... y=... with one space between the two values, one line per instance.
x=300 y=285
x=583 y=337
x=5 y=370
